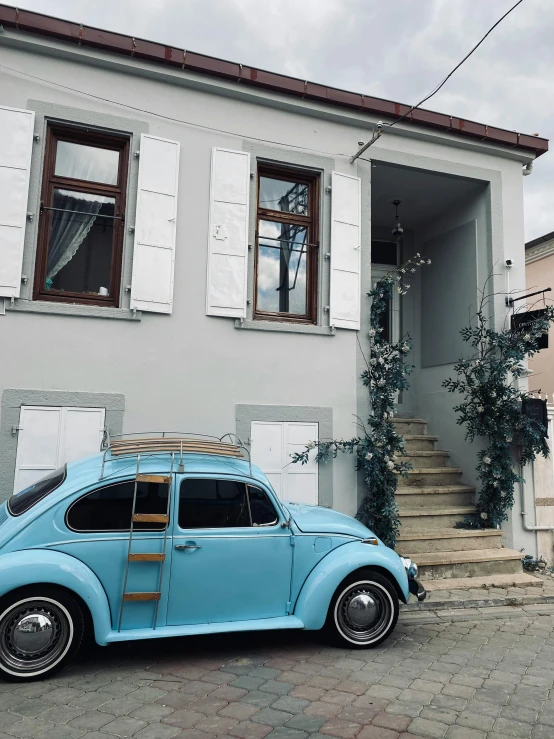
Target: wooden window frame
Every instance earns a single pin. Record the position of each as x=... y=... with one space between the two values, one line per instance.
x=311 y=221
x=50 y=181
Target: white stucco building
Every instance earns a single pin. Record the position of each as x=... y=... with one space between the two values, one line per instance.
x=186 y=245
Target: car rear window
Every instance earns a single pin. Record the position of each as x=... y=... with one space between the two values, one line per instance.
x=28 y=497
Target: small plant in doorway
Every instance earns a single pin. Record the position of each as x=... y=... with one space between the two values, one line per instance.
x=491 y=407
x=378 y=448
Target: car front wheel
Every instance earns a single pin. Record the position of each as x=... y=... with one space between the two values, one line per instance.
x=41 y=628
x=363 y=611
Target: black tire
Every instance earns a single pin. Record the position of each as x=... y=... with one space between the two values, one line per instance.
x=54 y=630
x=363 y=611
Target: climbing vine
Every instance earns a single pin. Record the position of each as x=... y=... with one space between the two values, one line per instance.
x=378 y=449
x=492 y=407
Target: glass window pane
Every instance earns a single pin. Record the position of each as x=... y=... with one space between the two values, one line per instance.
x=213 y=504
x=282 y=261
x=80 y=243
x=110 y=508
x=286 y=196
x=28 y=497
x=86 y=162
x=384 y=252
x=261 y=508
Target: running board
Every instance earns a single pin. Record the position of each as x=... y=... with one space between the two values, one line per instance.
x=260 y=624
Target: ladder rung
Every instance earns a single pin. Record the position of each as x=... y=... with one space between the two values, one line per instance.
x=147 y=557
x=150 y=518
x=161 y=479
x=141 y=596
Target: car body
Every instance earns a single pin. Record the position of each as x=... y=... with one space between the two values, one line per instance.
x=68 y=557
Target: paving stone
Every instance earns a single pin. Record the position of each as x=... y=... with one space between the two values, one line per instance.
x=390 y=721
x=290 y=704
x=28 y=728
x=239 y=711
x=265 y=672
x=183 y=719
x=61 y=714
x=309 y=724
x=509 y=727
x=342 y=729
x=462 y=732
x=285 y=732
x=124 y=726
x=250 y=730
x=152 y=712
x=247 y=682
x=322 y=709
x=31 y=707
x=92 y=720
x=307 y=692
x=62 y=696
x=259 y=699
x=426 y=727
x=89 y=701
x=157 y=731
x=228 y=693
x=379 y=732
x=475 y=721
x=271 y=717
x=62 y=732
x=279 y=688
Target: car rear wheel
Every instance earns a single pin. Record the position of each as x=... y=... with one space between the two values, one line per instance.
x=363 y=611
x=41 y=628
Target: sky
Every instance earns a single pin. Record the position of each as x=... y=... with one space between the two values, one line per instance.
x=396 y=49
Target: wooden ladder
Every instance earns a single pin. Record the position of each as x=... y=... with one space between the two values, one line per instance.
x=147 y=556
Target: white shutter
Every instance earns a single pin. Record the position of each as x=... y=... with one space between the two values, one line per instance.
x=51 y=436
x=272 y=443
x=83 y=429
x=38 y=444
x=266 y=450
x=228 y=233
x=345 y=251
x=155 y=225
x=16 y=144
x=302 y=479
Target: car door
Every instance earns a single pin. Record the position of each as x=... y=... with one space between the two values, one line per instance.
x=232 y=559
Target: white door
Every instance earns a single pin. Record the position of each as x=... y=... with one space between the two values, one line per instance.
x=51 y=436
x=272 y=443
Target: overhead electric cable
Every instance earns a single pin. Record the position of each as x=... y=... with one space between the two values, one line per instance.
x=438 y=87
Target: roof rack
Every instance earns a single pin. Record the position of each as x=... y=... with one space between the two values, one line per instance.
x=177 y=443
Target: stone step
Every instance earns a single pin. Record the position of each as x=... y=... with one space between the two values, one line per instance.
x=435 y=497
x=412 y=544
x=410 y=426
x=514 y=580
x=473 y=563
x=429 y=476
x=421 y=459
x=415 y=521
x=420 y=442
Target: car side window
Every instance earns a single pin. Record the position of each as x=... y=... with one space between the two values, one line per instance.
x=212 y=504
x=109 y=508
x=262 y=510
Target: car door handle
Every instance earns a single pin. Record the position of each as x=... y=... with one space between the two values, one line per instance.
x=188 y=546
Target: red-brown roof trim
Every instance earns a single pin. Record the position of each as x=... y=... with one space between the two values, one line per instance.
x=76 y=33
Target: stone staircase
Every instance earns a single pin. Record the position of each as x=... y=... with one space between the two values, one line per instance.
x=431 y=501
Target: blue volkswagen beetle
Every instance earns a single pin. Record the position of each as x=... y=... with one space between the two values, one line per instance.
x=170 y=536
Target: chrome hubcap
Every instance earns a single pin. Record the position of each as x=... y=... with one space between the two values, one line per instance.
x=34 y=634
x=363 y=612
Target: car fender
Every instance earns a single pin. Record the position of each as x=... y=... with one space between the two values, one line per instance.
x=22 y=568
x=318 y=589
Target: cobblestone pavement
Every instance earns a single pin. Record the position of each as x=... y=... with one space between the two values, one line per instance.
x=490 y=678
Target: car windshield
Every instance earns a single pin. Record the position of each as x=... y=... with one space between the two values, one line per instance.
x=30 y=496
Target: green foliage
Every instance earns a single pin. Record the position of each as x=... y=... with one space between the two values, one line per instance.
x=491 y=408
x=379 y=449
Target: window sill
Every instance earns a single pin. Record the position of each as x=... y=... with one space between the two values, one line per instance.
x=72 y=309
x=285 y=327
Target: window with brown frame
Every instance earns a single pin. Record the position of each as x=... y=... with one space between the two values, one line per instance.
x=82 y=217
x=286 y=245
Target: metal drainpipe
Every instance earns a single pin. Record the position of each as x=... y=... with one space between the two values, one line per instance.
x=524 y=512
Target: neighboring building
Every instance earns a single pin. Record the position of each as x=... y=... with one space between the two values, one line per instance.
x=186 y=245
x=539 y=272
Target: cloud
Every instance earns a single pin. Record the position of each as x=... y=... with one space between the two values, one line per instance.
x=398 y=50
